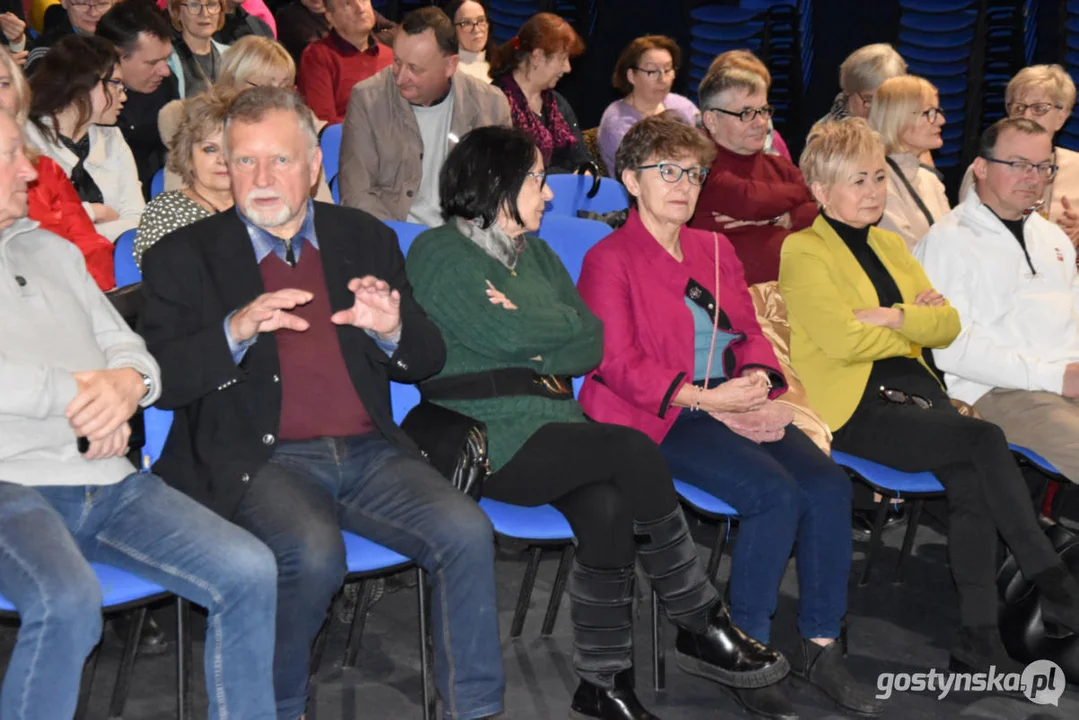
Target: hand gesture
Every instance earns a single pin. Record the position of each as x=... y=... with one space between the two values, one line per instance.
x=738 y=395
x=376 y=307
x=112 y=445
x=929 y=298
x=106 y=400
x=12 y=27
x=1071 y=381
x=269 y=312
x=881 y=317
x=498 y=298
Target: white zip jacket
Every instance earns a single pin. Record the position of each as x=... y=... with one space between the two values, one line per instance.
x=1020 y=330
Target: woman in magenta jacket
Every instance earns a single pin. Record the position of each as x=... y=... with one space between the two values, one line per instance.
x=703 y=387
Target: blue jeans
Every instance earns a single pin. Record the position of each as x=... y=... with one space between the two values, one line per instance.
x=784 y=491
x=50 y=534
x=298 y=505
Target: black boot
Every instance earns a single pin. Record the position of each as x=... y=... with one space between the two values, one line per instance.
x=822 y=667
x=708 y=643
x=977 y=648
x=767 y=702
x=618 y=702
x=1059 y=601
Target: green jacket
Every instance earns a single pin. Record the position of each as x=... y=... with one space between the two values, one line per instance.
x=449 y=275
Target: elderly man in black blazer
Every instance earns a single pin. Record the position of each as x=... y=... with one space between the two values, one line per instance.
x=278 y=326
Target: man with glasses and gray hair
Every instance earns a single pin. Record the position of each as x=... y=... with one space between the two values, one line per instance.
x=754 y=198
x=1011 y=275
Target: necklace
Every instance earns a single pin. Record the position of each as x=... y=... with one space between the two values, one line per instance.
x=205 y=202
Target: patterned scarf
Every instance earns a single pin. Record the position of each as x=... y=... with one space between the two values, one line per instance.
x=80 y=178
x=549 y=132
x=493 y=241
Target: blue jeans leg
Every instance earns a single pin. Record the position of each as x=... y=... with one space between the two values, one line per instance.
x=58 y=597
x=147 y=528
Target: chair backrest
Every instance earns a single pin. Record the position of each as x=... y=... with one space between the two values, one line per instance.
x=330 y=143
x=571 y=238
x=571 y=195
x=157 y=183
x=403 y=398
x=406 y=232
x=157 y=423
x=127 y=272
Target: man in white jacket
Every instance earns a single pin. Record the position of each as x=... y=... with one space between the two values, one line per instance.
x=1011 y=275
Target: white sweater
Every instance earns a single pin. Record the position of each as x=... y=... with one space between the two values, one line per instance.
x=1020 y=330
x=111 y=165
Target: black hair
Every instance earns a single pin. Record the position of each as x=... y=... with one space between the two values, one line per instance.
x=451 y=8
x=126 y=20
x=66 y=76
x=992 y=133
x=484 y=173
x=431 y=18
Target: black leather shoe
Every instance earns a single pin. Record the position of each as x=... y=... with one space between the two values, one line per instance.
x=862 y=520
x=616 y=703
x=822 y=667
x=1059 y=601
x=766 y=702
x=977 y=649
x=727 y=655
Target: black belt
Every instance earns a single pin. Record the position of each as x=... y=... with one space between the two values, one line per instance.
x=507 y=382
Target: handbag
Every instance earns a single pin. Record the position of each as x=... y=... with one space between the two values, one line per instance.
x=455 y=444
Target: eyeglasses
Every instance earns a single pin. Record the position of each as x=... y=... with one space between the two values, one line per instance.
x=899 y=397
x=99 y=5
x=195 y=7
x=1046 y=170
x=673 y=173
x=866 y=98
x=656 y=72
x=1039 y=109
x=539 y=177
x=472 y=25
x=114 y=84
x=749 y=114
x=932 y=114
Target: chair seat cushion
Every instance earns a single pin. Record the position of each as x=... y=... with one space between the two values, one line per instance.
x=527 y=523
x=702 y=501
x=1035 y=459
x=889 y=480
x=118 y=587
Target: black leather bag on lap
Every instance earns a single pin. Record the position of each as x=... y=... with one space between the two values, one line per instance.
x=455 y=444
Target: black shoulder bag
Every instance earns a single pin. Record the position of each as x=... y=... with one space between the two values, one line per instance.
x=455 y=444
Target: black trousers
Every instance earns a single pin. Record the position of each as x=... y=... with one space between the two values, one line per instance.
x=601 y=477
x=986 y=492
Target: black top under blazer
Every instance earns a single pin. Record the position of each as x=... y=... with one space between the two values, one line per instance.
x=227 y=416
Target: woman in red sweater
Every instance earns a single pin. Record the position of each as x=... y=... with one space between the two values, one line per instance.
x=52 y=199
x=754 y=198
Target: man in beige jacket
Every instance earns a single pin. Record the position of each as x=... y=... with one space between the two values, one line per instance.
x=402 y=122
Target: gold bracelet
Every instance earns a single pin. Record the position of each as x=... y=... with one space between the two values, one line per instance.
x=697 y=398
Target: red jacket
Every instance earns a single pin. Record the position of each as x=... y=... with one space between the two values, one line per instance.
x=638 y=290
x=54 y=203
x=755 y=187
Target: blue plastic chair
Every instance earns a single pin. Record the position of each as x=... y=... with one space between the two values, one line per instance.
x=127 y=272
x=571 y=195
x=329 y=142
x=406 y=233
x=1028 y=458
x=571 y=238
x=891 y=484
x=157 y=183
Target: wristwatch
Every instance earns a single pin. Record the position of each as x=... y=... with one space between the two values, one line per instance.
x=147 y=381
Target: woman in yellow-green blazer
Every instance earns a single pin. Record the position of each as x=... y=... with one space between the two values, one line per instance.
x=861 y=311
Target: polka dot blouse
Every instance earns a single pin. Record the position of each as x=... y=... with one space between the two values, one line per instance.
x=168 y=211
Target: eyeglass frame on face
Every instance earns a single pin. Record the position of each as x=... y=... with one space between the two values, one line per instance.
x=1025 y=166
x=656 y=72
x=932 y=114
x=113 y=84
x=747 y=115
x=540 y=178
x=471 y=25
x=1014 y=112
x=216 y=8
x=86 y=6
x=702 y=172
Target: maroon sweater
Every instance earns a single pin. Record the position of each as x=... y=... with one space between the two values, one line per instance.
x=755 y=187
x=330 y=67
x=318 y=398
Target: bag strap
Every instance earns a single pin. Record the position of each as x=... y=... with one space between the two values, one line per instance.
x=715 y=315
x=910 y=189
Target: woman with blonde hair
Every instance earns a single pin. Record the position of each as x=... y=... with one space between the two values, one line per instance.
x=906 y=112
x=1046 y=95
x=746 y=60
x=859 y=77
x=196 y=56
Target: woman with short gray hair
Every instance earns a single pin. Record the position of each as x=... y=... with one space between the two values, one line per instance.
x=859 y=77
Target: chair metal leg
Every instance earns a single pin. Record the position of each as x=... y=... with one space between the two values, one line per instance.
x=127 y=664
x=318 y=649
x=359 y=623
x=874 y=539
x=908 y=539
x=718 y=548
x=558 y=590
x=86 y=685
x=659 y=652
x=183 y=659
x=525 y=596
x=425 y=632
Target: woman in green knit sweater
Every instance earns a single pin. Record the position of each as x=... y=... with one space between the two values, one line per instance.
x=515 y=331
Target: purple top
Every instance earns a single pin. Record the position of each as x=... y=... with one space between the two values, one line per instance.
x=620 y=116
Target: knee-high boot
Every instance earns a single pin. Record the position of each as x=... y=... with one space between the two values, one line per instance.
x=709 y=644
x=601 y=609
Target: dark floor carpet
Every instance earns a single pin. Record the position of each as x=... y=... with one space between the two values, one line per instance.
x=893 y=628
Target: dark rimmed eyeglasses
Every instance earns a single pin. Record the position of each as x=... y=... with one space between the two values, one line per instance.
x=656 y=72
x=1047 y=170
x=931 y=114
x=748 y=114
x=114 y=84
x=899 y=397
x=479 y=24
x=1039 y=109
x=673 y=173
x=196 y=7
